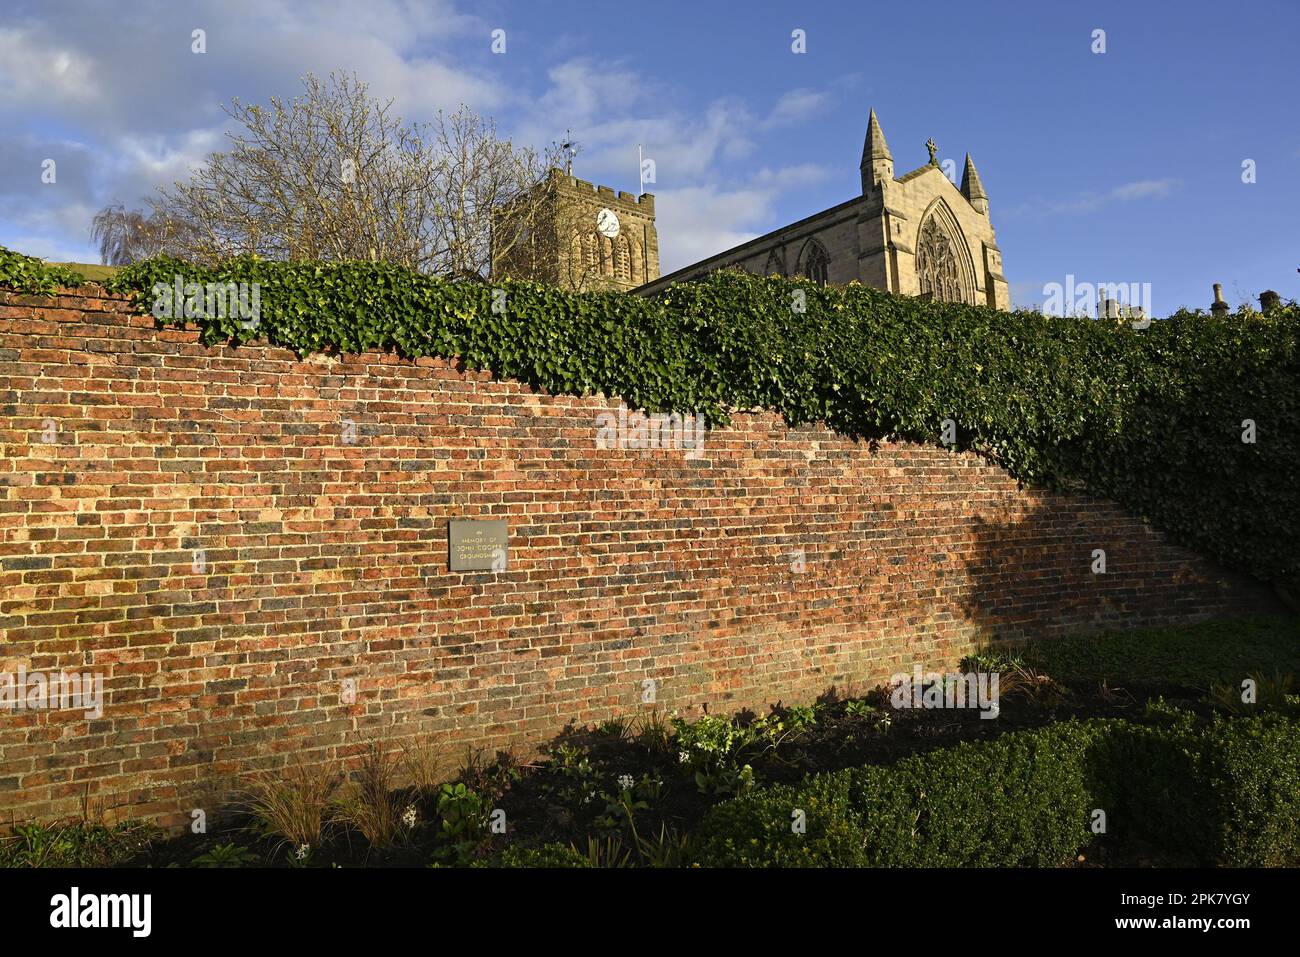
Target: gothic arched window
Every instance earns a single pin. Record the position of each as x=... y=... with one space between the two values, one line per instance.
x=775 y=263
x=637 y=263
x=815 y=262
x=936 y=263
x=622 y=260
x=606 y=256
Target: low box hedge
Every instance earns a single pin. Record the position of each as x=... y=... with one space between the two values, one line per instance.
x=1023 y=798
x=1225 y=792
x=1253 y=769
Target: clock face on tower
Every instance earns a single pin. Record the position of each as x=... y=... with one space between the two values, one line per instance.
x=607 y=223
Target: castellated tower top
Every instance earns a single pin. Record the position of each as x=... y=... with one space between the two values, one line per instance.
x=578 y=235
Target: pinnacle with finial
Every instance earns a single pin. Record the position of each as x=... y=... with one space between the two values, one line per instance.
x=875 y=146
x=971 y=186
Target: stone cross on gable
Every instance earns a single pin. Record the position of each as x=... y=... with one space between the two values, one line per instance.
x=929 y=144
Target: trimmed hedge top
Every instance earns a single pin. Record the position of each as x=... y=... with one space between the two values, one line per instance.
x=1153 y=419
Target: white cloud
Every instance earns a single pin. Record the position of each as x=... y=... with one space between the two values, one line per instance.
x=145 y=109
x=700 y=221
x=58 y=232
x=581 y=92
x=36 y=70
x=610 y=109
x=796 y=106
x=1141 y=189
x=148 y=162
x=1092 y=201
x=147 y=79
x=793 y=177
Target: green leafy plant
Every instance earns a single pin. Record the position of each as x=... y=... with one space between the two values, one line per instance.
x=712 y=737
x=462 y=819
x=862 y=708
x=460 y=811
x=606 y=852
x=617 y=729
x=574 y=782
x=546 y=856
x=629 y=797
x=711 y=750
x=33 y=276
x=78 y=844
x=1223 y=792
x=992 y=660
x=226 y=855
x=667 y=848
x=784 y=722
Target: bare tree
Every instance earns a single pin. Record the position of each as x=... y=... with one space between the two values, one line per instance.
x=478 y=176
x=335 y=175
x=126 y=236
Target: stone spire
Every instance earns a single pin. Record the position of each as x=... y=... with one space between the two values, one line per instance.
x=877 y=162
x=973 y=189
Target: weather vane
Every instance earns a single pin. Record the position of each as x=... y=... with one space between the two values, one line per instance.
x=570 y=151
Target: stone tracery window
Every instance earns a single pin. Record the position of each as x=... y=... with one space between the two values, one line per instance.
x=816 y=262
x=936 y=264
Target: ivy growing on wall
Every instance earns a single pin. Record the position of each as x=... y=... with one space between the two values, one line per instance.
x=31 y=275
x=1159 y=420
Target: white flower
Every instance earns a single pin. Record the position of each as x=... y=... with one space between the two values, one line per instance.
x=625 y=781
x=409 y=816
x=683 y=757
x=302 y=852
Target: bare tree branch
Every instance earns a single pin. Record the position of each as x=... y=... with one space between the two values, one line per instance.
x=335 y=175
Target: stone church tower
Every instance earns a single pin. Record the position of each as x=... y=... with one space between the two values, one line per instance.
x=915 y=234
x=581 y=237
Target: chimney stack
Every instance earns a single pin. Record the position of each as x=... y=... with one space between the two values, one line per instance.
x=1269 y=300
x=1219 y=307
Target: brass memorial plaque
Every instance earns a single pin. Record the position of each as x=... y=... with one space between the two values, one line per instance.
x=474 y=546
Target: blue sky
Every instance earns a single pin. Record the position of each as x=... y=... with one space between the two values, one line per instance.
x=1123 y=166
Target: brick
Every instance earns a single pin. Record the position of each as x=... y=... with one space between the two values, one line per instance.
x=326 y=561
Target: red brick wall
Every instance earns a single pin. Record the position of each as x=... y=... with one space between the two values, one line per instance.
x=327 y=561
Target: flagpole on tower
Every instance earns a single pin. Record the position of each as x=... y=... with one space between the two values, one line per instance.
x=640 y=172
